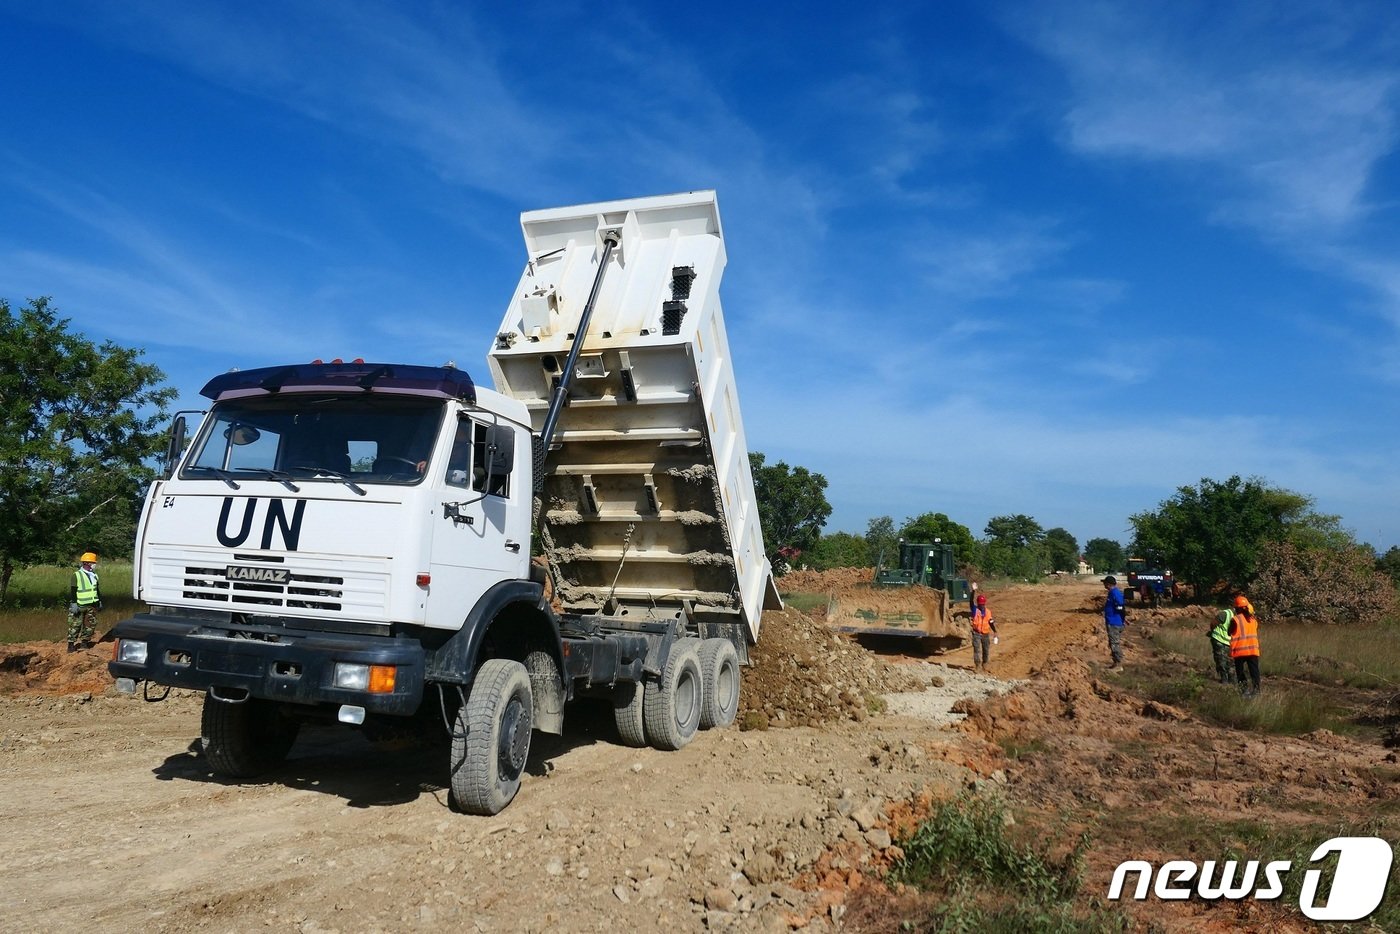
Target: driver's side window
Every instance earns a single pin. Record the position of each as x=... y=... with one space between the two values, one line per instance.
x=466 y=466
x=459 y=462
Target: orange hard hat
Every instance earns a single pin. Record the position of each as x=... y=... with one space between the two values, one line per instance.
x=88 y=558
x=1240 y=601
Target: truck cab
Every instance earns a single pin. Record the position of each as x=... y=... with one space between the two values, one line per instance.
x=367 y=506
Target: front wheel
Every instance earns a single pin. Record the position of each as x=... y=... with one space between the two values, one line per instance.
x=245 y=739
x=491 y=738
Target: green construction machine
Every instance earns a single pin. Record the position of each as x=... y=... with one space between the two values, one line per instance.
x=913 y=598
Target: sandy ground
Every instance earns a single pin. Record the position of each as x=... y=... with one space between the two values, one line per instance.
x=113 y=822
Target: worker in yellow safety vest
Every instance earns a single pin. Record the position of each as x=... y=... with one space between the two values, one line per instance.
x=1219 y=635
x=84 y=600
x=1244 y=645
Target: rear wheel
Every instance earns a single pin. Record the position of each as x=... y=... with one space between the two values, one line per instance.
x=671 y=707
x=491 y=738
x=627 y=714
x=719 y=674
x=245 y=739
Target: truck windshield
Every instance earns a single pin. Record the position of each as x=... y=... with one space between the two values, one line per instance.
x=361 y=439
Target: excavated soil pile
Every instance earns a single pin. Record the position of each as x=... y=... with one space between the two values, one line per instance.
x=804 y=674
x=49 y=668
x=835 y=580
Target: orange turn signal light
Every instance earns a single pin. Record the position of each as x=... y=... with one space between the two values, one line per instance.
x=381 y=679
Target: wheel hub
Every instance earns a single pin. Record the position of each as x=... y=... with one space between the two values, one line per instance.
x=515 y=738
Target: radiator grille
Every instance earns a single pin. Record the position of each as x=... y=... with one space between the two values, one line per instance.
x=302 y=591
x=315 y=585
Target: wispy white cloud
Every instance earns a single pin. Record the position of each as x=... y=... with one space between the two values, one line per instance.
x=1270 y=118
x=1297 y=131
x=966 y=263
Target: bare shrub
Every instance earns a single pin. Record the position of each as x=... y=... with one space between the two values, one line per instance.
x=1322 y=585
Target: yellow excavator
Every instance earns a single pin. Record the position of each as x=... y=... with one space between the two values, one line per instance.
x=913 y=599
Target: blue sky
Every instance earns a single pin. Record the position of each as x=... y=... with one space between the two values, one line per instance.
x=1056 y=259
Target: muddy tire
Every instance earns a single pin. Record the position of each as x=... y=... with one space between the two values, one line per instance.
x=719 y=675
x=491 y=738
x=627 y=714
x=671 y=707
x=244 y=740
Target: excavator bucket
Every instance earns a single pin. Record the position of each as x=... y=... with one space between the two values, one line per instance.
x=915 y=611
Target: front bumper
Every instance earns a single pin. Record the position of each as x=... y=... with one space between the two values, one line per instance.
x=270 y=662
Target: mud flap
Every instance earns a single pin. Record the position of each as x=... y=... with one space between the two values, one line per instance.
x=548 y=689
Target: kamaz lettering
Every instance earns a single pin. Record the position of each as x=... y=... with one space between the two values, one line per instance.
x=242 y=572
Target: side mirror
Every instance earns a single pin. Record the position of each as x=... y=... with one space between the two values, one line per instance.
x=176 y=446
x=500 y=450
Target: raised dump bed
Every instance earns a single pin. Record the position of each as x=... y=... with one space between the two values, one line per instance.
x=648 y=498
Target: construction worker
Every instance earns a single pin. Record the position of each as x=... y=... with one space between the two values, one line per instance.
x=84 y=600
x=1244 y=645
x=1115 y=617
x=1219 y=636
x=983 y=625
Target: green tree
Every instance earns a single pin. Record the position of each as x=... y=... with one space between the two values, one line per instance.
x=1104 y=555
x=1014 y=547
x=792 y=507
x=935 y=526
x=1210 y=535
x=1061 y=550
x=1389 y=564
x=78 y=423
x=881 y=542
x=1014 y=531
x=838 y=550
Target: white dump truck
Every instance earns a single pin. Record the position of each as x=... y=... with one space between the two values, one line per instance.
x=352 y=541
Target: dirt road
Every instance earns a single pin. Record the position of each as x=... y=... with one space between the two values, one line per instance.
x=1036 y=624
x=113 y=822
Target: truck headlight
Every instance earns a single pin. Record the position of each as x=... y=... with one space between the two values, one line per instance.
x=131 y=651
x=376 y=679
x=351 y=677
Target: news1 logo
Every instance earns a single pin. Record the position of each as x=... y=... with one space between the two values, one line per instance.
x=1358 y=883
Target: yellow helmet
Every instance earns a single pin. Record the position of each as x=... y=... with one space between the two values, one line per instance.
x=88 y=558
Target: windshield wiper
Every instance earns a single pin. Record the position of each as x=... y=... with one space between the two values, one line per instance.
x=283 y=478
x=327 y=472
x=223 y=475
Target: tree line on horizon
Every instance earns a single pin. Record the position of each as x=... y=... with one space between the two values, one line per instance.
x=1217 y=537
x=82 y=424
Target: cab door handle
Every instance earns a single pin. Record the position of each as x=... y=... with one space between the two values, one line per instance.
x=512 y=546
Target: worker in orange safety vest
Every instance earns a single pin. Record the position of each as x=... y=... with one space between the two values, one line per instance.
x=983 y=625
x=1244 y=645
